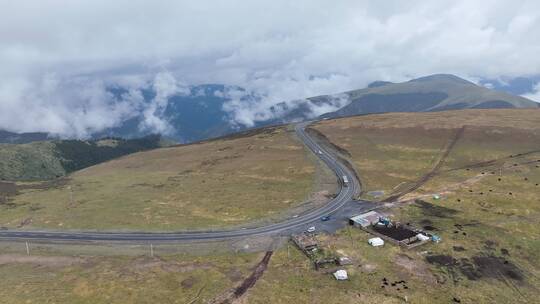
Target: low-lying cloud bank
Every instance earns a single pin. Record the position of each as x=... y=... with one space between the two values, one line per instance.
x=59 y=59
x=83 y=106
x=535 y=94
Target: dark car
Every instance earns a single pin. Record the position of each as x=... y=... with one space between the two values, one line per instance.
x=325 y=218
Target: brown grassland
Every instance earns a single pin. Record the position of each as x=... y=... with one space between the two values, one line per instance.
x=488 y=216
x=219 y=183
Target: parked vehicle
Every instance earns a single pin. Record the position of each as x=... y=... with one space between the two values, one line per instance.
x=311 y=229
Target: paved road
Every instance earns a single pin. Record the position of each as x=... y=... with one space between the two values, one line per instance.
x=345 y=195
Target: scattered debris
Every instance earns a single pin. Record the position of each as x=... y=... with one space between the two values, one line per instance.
x=309 y=245
x=342 y=261
x=306 y=242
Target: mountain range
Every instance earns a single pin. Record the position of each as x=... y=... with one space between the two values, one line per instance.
x=201 y=114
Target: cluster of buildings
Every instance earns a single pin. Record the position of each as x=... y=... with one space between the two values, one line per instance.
x=375 y=223
x=384 y=229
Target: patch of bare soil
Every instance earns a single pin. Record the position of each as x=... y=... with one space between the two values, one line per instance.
x=234 y=274
x=235 y=295
x=55 y=183
x=480 y=267
x=8 y=189
x=25 y=222
x=49 y=261
x=432 y=210
x=188 y=283
x=415 y=268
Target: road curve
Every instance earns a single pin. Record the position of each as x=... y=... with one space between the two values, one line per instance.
x=345 y=195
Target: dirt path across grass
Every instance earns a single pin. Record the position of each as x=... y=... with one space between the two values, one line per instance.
x=497 y=161
x=233 y=295
x=432 y=173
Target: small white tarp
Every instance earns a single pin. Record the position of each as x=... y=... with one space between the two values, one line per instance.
x=422 y=237
x=377 y=241
x=341 y=275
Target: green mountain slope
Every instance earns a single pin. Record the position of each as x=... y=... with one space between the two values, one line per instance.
x=51 y=159
x=431 y=93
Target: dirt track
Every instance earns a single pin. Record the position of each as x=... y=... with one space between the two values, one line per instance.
x=432 y=173
x=496 y=161
x=247 y=283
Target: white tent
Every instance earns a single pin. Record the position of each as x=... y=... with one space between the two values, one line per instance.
x=422 y=237
x=377 y=241
x=341 y=275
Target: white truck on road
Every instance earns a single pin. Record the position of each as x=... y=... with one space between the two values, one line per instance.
x=345 y=181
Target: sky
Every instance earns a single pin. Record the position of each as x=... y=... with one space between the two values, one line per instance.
x=57 y=58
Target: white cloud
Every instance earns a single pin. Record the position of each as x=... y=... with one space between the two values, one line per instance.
x=164 y=85
x=74 y=108
x=337 y=102
x=535 y=94
x=278 y=50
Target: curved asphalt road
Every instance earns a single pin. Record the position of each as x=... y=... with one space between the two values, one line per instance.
x=345 y=195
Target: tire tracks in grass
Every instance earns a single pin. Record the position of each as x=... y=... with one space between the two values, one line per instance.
x=232 y=295
x=432 y=173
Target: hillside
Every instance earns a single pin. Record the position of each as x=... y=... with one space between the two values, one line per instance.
x=21 y=138
x=471 y=177
x=483 y=164
x=258 y=176
x=52 y=159
x=427 y=94
x=203 y=113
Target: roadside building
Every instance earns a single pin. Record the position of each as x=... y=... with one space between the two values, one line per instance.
x=365 y=219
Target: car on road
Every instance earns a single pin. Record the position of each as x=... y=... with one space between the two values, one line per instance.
x=325 y=218
x=311 y=229
x=320 y=152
